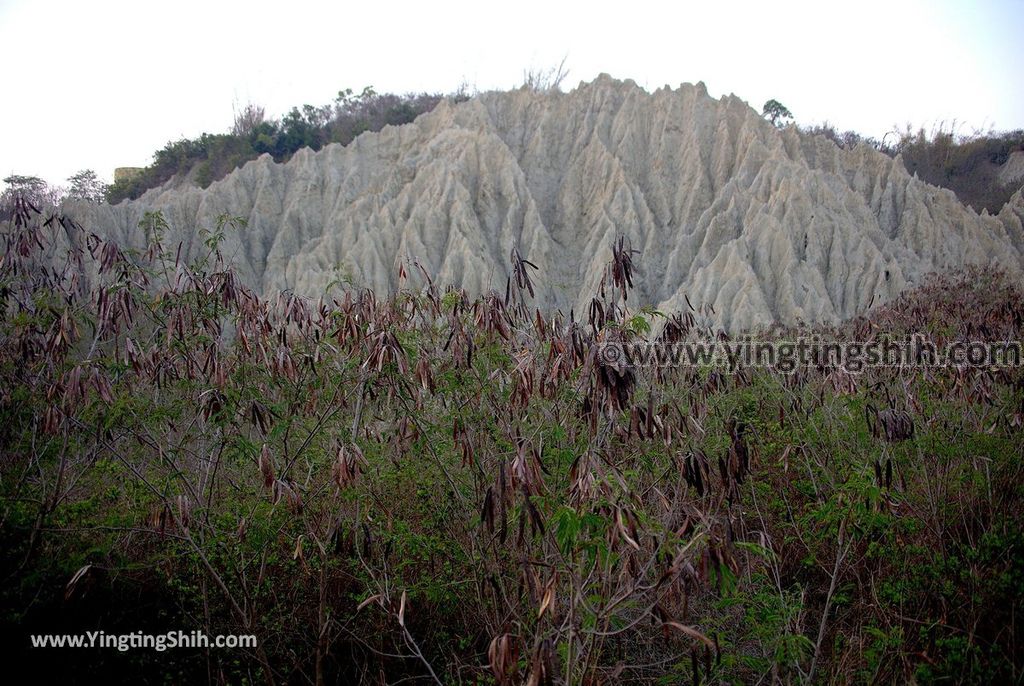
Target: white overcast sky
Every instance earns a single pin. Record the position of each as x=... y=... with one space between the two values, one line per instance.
x=103 y=83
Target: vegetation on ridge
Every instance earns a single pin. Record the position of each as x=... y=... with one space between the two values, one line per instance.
x=213 y=156
x=967 y=164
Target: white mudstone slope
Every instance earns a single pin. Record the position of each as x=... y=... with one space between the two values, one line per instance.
x=764 y=224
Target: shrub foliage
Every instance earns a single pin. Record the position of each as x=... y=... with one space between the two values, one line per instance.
x=433 y=487
x=966 y=164
x=212 y=156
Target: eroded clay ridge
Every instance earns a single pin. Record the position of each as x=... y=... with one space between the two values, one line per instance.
x=764 y=224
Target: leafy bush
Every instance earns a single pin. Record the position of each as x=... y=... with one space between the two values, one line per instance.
x=966 y=164
x=212 y=156
x=438 y=488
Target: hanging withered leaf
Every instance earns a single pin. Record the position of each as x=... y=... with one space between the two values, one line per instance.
x=184 y=511
x=487 y=512
x=348 y=464
x=266 y=465
x=69 y=590
x=548 y=597
x=503 y=657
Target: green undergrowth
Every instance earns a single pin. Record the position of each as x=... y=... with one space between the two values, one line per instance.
x=430 y=487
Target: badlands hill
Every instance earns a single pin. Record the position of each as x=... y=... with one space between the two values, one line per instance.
x=763 y=224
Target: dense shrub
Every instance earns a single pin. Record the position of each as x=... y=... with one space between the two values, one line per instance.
x=966 y=164
x=212 y=156
x=437 y=488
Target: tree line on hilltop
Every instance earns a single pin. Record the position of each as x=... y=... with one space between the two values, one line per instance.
x=966 y=163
